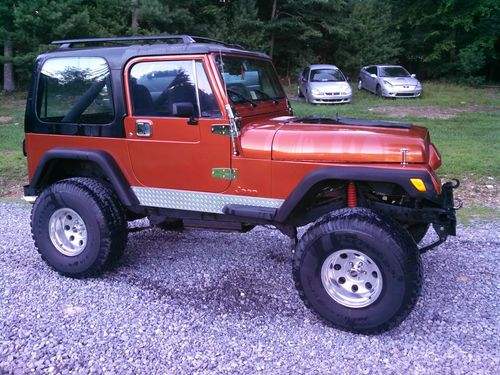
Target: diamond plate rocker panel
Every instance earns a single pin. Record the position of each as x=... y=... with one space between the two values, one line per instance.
x=197 y=201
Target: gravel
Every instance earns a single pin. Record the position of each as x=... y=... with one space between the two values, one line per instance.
x=207 y=302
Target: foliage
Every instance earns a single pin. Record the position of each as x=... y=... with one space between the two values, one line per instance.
x=434 y=38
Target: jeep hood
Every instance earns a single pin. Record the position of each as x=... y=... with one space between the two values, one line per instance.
x=326 y=140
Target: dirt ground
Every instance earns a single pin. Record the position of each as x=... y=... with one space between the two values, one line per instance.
x=430 y=112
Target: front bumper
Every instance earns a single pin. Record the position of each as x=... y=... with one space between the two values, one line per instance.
x=440 y=212
x=333 y=97
x=401 y=92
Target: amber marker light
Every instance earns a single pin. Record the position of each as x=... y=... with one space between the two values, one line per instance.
x=418 y=183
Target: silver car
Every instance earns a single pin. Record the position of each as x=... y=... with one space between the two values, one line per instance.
x=390 y=81
x=321 y=83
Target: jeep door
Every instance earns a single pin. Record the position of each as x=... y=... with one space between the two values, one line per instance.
x=171 y=109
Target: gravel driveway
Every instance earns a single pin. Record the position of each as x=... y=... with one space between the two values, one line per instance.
x=203 y=302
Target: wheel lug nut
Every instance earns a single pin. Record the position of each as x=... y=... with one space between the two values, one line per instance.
x=368 y=285
x=354 y=288
x=337 y=267
x=341 y=280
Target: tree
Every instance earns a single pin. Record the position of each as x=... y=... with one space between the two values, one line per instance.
x=6 y=32
x=368 y=36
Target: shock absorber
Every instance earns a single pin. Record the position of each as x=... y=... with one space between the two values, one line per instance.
x=352 y=200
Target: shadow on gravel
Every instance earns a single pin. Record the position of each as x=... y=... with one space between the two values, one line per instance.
x=226 y=273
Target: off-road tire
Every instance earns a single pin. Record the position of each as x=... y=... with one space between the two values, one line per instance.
x=104 y=221
x=386 y=243
x=118 y=223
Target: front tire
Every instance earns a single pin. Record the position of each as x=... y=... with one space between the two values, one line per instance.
x=378 y=90
x=357 y=271
x=78 y=227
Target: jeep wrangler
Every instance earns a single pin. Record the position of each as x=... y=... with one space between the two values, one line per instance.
x=192 y=132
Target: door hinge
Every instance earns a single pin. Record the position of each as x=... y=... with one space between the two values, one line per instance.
x=222 y=129
x=225 y=173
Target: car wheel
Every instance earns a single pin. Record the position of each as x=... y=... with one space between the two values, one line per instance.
x=299 y=93
x=379 y=90
x=360 y=85
x=77 y=227
x=359 y=272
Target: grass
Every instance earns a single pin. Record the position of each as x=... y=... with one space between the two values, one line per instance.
x=468 y=215
x=12 y=162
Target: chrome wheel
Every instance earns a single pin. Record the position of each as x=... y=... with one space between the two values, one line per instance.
x=351 y=278
x=67 y=232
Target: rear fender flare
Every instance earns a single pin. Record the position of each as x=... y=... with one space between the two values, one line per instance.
x=102 y=159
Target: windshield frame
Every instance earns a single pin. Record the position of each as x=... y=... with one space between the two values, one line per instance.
x=382 y=69
x=258 y=95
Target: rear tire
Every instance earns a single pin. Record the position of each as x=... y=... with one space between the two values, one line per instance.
x=357 y=271
x=78 y=227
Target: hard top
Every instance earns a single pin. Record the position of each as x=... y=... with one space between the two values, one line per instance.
x=117 y=51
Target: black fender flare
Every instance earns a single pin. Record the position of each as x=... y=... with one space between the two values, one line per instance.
x=397 y=176
x=104 y=160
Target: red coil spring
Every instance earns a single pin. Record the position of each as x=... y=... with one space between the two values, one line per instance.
x=352 y=200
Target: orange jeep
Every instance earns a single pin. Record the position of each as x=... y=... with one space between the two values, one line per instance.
x=191 y=132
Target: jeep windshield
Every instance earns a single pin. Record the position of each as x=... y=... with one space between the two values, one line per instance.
x=249 y=80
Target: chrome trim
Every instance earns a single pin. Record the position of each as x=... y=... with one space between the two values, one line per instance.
x=197 y=201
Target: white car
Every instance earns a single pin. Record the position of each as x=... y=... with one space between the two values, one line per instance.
x=321 y=83
x=390 y=81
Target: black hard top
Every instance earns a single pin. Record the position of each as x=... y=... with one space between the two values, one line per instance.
x=117 y=51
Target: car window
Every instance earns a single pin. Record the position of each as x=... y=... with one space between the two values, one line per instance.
x=75 y=90
x=326 y=75
x=393 y=71
x=372 y=70
x=306 y=73
x=160 y=88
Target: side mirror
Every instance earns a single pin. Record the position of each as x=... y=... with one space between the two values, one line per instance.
x=184 y=109
x=413 y=76
x=373 y=75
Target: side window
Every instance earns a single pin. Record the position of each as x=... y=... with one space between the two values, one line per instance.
x=372 y=70
x=169 y=88
x=208 y=102
x=75 y=90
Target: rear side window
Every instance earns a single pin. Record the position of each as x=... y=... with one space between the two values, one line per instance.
x=75 y=90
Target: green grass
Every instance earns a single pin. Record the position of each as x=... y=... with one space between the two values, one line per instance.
x=12 y=162
x=468 y=215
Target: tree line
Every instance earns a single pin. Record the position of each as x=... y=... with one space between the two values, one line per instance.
x=450 y=39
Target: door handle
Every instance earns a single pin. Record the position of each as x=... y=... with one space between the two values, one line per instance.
x=143 y=128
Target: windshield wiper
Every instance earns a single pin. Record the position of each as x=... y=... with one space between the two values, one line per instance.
x=245 y=99
x=266 y=96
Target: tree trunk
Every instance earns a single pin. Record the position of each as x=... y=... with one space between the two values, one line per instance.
x=8 y=68
x=273 y=16
x=134 y=5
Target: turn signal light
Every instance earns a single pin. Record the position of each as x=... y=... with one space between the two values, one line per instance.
x=418 y=183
